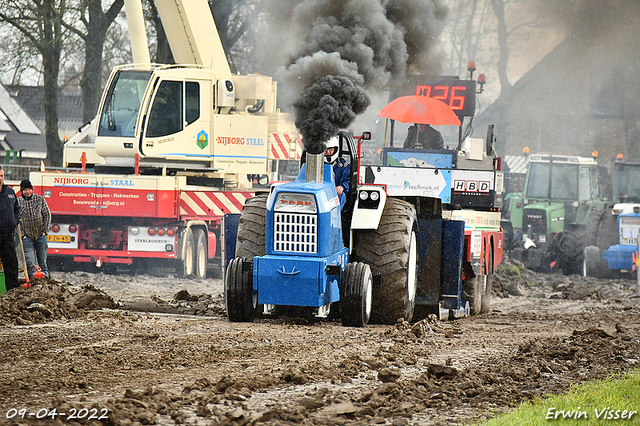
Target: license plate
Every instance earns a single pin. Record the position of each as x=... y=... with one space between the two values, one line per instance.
x=59 y=238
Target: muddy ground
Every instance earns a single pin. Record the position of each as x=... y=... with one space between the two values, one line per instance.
x=148 y=350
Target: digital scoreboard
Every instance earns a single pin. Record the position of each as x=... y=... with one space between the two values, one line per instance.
x=460 y=95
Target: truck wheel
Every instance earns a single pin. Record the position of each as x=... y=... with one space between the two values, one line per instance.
x=201 y=255
x=355 y=295
x=188 y=257
x=251 y=240
x=591 y=265
x=472 y=291
x=391 y=253
x=238 y=290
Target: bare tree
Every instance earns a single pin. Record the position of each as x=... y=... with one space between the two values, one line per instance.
x=41 y=23
x=96 y=23
x=503 y=45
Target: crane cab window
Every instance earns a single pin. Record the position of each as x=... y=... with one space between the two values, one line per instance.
x=165 y=117
x=192 y=101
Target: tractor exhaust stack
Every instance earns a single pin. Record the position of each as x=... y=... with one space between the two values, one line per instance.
x=315 y=168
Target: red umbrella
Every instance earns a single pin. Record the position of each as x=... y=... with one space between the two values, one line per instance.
x=420 y=110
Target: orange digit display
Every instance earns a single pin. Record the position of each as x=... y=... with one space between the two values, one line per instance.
x=458 y=94
x=441 y=93
x=457 y=101
x=423 y=90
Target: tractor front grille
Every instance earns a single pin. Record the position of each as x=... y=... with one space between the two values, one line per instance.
x=294 y=232
x=537 y=219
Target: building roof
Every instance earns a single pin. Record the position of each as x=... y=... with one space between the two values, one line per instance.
x=18 y=131
x=571 y=102
x=22 y=118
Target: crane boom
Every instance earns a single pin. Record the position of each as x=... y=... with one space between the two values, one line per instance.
x=137 y=32
x=193 y=35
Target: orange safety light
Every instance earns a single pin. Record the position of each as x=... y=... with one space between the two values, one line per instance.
x=482 y=80
x=471 y=67
x=594 y=153
x=525 y=150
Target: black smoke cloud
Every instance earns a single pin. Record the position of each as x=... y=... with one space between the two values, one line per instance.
x=344 y=49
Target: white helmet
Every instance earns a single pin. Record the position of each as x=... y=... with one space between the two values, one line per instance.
x=332 y=143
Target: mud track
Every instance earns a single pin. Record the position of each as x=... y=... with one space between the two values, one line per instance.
x=148 y=350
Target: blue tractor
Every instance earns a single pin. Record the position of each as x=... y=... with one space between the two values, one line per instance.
x=618 y=258
x=389 y=253
x=301 y=258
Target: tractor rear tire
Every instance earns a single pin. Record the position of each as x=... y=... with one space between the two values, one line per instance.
x=391 y=252
x=201 y=255
x=592 y=265
x=356 y=294
x=608 y=233
x=571 y=248
x=238 y=291
x=251 y=239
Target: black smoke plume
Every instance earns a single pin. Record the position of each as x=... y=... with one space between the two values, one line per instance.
x=345 y=48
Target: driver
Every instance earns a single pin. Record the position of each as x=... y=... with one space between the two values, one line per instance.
x=341 y=169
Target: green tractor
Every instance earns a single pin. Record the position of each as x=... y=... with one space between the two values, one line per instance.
x=546 y=226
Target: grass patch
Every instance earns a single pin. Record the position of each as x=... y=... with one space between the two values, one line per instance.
x=592 y=403
x=513 y=269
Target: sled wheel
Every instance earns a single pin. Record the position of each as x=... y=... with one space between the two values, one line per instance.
x=591 y=265
x=485 y=305
x=238 y=290
x=355 y=295
x=188 y=256
x=391 y=252
x=472 y=290
x=201 y=255
x=251 y=240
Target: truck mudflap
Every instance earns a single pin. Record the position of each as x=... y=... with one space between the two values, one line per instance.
x=298 y=281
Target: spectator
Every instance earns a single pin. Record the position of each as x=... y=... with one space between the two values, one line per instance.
x=423 y=136
x=341 y=169
x=9 y=218
x=35 y=220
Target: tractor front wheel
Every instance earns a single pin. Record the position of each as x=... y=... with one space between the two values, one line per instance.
x=238 y=290
x=355 y=295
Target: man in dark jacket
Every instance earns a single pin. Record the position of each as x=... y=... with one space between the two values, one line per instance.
x=9 y=218
x=423 y=136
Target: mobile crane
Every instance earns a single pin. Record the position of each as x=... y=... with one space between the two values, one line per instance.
x=171 y=150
